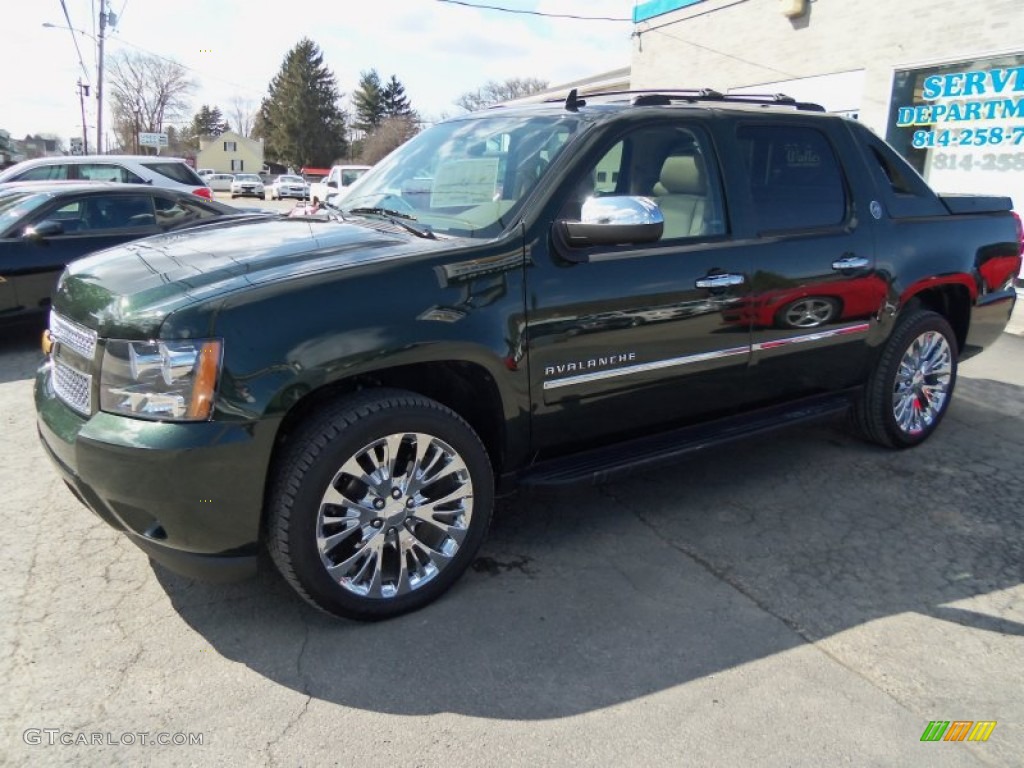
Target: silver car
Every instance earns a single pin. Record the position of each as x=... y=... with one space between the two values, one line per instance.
x=289 y=186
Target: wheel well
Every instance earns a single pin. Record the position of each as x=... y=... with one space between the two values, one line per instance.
x=466 y=388
x=953 y=302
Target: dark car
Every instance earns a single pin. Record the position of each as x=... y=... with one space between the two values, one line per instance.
x=43 y=227
x=540 y=294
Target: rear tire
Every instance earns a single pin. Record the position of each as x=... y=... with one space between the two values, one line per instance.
x=911 y=387
x=378 y=504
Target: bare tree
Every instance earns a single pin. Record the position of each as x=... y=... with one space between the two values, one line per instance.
x=146 y=92
x=392 y=133
x=494 y=92
x=242 y=114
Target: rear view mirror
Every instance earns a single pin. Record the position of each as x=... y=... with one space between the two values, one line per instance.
x=615 y=220
x=43 y=230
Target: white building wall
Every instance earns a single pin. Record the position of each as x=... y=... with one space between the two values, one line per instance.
x=725 y=44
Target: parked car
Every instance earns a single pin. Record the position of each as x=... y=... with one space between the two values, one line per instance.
x=204 y=172
x=340 y=178
x=289 y=186
x=167 y=172
x=247 y=185
x=220 y=182
x=45 y=226
x=546 y=309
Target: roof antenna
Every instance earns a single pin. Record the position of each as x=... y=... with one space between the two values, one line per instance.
x=572 y=103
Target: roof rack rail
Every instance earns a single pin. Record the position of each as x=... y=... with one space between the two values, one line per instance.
x=666 y=96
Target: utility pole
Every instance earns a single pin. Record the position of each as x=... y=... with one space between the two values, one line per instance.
x=83 y=91
x=105 y=17
x=99 y=81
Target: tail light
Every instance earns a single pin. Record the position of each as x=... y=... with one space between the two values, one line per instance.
x=203 y=192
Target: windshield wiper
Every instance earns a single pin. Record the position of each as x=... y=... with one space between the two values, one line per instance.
x=395 y=217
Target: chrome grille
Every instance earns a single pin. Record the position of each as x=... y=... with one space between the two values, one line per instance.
x=73 y=387
x=73 y=335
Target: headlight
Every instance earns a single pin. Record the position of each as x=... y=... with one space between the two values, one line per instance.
x=160 y=380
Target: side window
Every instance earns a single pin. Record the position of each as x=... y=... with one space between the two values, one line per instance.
x=673 y=165
x=107 y=172
x=793 y=176
x=69 y=216
x=119 y=212
x=170 y=213
x=44 y=173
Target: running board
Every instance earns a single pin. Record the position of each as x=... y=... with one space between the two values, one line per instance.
x=602 y=464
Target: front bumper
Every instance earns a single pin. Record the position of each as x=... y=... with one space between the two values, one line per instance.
x=248 y=192
x=190 y=495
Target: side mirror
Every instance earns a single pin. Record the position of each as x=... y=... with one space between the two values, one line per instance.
x=332 y=184
x=43 y=230
x=615 y=221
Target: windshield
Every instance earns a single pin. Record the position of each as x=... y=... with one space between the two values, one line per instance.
x=290 y=180
x=16 y=205
x=246 y=177
x=464 y=177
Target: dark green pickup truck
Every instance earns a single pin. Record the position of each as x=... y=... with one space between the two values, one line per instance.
x=545 y=294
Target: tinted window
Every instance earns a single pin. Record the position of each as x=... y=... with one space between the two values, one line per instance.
x=118 y=212
x=171 y=213
x=178 y=172
x=793 y=176
x=107 y=172
x=44 y=173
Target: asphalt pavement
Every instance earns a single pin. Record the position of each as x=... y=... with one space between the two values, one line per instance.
x=801 y=599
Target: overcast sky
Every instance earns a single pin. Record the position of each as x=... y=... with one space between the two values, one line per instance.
x=438 y=50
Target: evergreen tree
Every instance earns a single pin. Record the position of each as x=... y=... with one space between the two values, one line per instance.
x=395 y=102
x=299 y=119
x=208 y=121
x=369 y=101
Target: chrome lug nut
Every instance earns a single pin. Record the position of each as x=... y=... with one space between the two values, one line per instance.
x=378 y=504
x=396 y=493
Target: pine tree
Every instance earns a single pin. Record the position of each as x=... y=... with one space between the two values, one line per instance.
x=369 y=101
x=299 y=119
x=394 y=100
x=208 y=121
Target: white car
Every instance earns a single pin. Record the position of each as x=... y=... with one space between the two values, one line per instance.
x=167 y=172
x=220 y=182
x=247 y=185
x=289 y=186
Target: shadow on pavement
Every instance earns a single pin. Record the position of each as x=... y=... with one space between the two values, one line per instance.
x=20 y=352
x=586 y=598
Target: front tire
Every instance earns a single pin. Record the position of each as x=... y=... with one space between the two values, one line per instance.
x=911 y=387
x=378 y=504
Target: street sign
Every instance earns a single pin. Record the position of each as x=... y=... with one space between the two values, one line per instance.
x=76 y=145
x=153 y=139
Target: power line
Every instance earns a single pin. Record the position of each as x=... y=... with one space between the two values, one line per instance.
x=534 y=13
x=78 y=50
x=720 y=53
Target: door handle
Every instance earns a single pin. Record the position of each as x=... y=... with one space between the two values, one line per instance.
x=851 y=262
x=720 y=281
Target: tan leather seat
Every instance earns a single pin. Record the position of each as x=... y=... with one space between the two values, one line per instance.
x=681 y=193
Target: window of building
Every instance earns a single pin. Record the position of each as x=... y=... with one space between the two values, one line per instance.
x=794 y=178
x=237 y=165
x=230 y=146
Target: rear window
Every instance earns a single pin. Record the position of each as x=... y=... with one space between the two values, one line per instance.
x=178 y=172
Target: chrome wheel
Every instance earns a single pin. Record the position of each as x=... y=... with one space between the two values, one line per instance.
x=809 y=313
x=394 y=515
x=922 y=383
